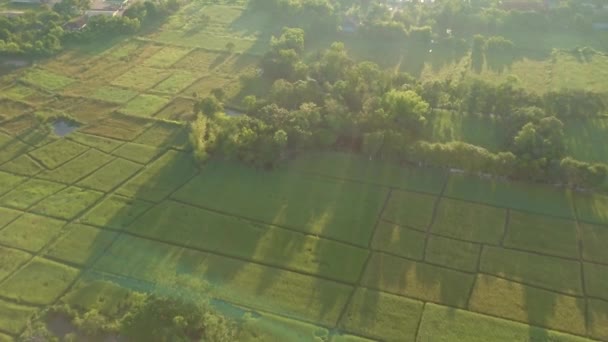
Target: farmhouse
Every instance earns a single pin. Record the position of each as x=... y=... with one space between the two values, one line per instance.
x=106 y=7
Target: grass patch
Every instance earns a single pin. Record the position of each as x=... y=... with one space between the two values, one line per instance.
x=7 y=215
x=100 y=143
x=111 y=175
x=164 y=134
x=31 y=232
x=542 y=234
x=469 y=221
x=263 y=327
x=8 y=181
x=113 y=94
x=175 y=83
x=401 y=241
x=594 y=243
x=417 y=280
x=179 y=109
x=22 y=165
x=383 y=316
x=160 y=178
x=115 y=212
x=10 y=260
x=138 y=153
x=502 y=298
x=81 y=244
x=452 y=253
x=39 y=282
x=117 y=126
x=144 y=105
x=445 y=324
x=29 y=193
x=598 y=319
x=166 y=57
x=533 y=269
x=213 y=232
x=67 y=203
x=536 y=198
x=592 y=208
x=13 y=317
x=355 y=167
x=141 y=78
x=78 y=167
x=57 y=153
x=596 y=282
x=46 y=79
x=345 y=211
x=410 y=209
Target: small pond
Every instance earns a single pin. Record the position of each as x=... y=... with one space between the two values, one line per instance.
x=63 y=127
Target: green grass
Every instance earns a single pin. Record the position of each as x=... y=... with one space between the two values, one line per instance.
x=263 y=327
x=113 y=94
x=81 y=244
x=166 y=57
x=533 y=269
x=175 y=83
x=383 y=316
x=536 y=198
x=39 y=282
x=100 y=143
x=160 y=178
x=213 y=232
x=502 y=298
x=401 y=241
x=410 y=209
x=8 y=181
x=46 y=79
x=596 y=282
x=594 y=243
x=31 y=232
x=10 y=260
x=29 y=193
x=67 y=203
x=77 y=168
x=469 y=221
x=117 y=126
x=115 y=212
x=592 y=208
x=345 y=211
x=542 y=234
x=417 y=280
x=598 y=317
x=144 y=105
x=141 y=78
x=445 y=324
x=138 y=153
x=111 y=175
x=483 y=131
x=264 y=288
x=452 y=253
x=57 y=153
x=354 y=167
x=164 y=134
x=7 y=215
x=22 y=165
x=14 y=318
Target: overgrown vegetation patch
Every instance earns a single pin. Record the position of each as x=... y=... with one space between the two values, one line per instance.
x=31 y=232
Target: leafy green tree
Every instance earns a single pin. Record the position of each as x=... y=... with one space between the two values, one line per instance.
x=407 y=109
x=478 y=52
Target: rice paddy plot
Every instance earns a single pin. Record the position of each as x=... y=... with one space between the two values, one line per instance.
x=11 y=148
x=10 y=260
x=114 y=94
x=117 y=126
x=23 y=93
x=39 y=282
x=110 y=175
x=538 y=270
x=175 y=83
x=542 y=234
x=535 y=198
x=138 y=153
x=469 y=221
x=141 y=78
x=13 y=108
x=161 y=177
x=166 y=57
x=339 y=210
x=31 y=232
x=596 y=282
x=410 y=209
x=197 y=228
x=165 y=134
x=417 y=280
x=14 y=317
x=7 y=215
x=445 y=324
x=81 y=244
x=19 y=125
x=115 y=212
x=46 y=80
x=144 y=105
x=383 y=316
x=200 y=60
x=264 y=327
x=205 y=85
x=592 y=207
x=103 y=144
x=598 y=316
x=22 y=165
x=594 y=240
x=398 y=240
x=77 y=168
x=57 y=153
x=452 y=253
x=179 y=109
x=353 y=167
x=510 y=300
x=8 y=181
x=29 y=193
x=68 y=203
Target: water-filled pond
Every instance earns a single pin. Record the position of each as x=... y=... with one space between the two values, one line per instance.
x=63 y=127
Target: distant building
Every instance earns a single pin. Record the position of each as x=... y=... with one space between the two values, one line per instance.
x=76 y=24
x=106 y=7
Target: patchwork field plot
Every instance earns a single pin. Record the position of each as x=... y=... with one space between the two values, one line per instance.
x=120 y=127
x=138 y=153
x=29 y=193
x=175 y=83
x=398 y=240
x=410 y=209
x=57 y=153
x=110 y=175
x=68 y=203
x=115 y=212
x=81 y=244
x=114 y=94
x=78 y=167
x=13 y=317
x=144 y=105
x=46 y=79
x=31 y=232
x=11 y=259
x=141 y=78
